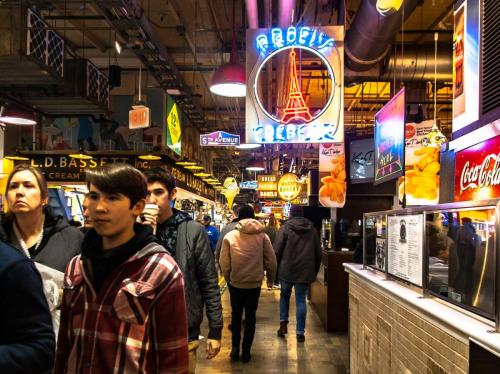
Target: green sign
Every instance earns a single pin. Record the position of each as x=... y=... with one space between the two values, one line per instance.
x=173 y=124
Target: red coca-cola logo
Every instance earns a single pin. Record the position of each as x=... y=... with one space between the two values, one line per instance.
x=477 y=174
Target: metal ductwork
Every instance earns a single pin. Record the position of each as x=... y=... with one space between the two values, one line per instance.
x=417 y=63
x=369 y=38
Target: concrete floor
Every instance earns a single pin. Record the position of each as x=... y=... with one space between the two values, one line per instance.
x=321 y=353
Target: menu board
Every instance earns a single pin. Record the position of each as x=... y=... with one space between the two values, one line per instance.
x=390 y=139
x=405 y=247
x=362 y=160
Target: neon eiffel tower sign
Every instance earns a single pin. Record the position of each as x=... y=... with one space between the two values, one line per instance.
x=296 y=109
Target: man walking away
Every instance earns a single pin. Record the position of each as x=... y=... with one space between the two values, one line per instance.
x=229 y=227
x=298 y=252
x=212 y=232
x=188 y=243
x=246 y=253
x=123 y=308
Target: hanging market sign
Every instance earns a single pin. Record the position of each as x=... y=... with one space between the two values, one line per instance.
x=289 y=187
x=390 y=139
x=139 y=117
x=267 y=186
x=174 y=131
x=332 y=175
x=298 y=117
x=219 y=138
x=251 y=185
x=477 y=171
x=65 y=169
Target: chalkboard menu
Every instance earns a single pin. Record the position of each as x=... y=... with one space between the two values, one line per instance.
x=405 y=247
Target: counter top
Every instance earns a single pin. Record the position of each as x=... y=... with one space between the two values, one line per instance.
x=449 y=317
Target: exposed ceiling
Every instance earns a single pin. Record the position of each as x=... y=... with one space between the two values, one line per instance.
x=180 y=43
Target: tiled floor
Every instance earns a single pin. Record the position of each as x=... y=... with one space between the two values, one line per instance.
x=321 y=353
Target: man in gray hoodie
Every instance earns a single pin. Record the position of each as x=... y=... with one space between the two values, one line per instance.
x=298 y=252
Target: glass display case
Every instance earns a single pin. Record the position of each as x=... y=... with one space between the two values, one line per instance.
x=448 y=250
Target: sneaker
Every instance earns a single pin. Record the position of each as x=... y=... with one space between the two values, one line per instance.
x=245 y=357
x=283 y=330
x=301 y=338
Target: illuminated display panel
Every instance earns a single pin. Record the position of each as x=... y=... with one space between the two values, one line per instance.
x=295 y=85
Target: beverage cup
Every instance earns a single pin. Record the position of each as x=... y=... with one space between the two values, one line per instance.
x=150 y=215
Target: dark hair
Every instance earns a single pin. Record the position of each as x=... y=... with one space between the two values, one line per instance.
x=162 y=176
x=296 y=211
x=119 y=178
x=207 y=218
x=42 y=184
x=246 y=211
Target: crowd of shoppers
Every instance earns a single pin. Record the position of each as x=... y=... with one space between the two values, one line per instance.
x=132 y=284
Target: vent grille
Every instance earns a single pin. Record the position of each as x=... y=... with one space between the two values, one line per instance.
x=491 y=55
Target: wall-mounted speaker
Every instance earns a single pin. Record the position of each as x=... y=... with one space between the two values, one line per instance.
x=115 y=76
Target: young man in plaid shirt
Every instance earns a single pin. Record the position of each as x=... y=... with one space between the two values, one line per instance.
x=123 y=308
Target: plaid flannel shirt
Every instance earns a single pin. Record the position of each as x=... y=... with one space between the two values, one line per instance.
x=135 y=324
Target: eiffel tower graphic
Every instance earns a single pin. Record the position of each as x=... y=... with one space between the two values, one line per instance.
x=296 y=109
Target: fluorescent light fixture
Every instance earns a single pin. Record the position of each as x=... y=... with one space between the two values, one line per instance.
x=150 y=157
x=248 y=146
x=194 y=167
x=118 y=47
x=185 y=163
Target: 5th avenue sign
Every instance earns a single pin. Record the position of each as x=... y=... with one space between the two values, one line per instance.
x=219 y=138
x=64 y=169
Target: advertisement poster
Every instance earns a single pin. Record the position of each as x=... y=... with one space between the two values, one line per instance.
x=477 y=171
x=458 y=62
x=389 y=139
x=332 y=175
x=289 y=110
x=405 y=247
x=173 y=126
x=380 y=254
x=421 y=180
x=362 y=161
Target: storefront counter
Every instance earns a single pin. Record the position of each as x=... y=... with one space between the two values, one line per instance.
x=329 y=293
x=394 y=329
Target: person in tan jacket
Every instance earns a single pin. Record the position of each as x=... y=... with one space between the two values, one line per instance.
x=246 y=252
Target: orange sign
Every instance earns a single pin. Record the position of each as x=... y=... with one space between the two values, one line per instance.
x=139 y=117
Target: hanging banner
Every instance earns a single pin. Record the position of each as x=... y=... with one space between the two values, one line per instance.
x=390 y=139
x=289 y=187
x=477 y=171
x=332 y=175
x=421 y=180
x=289 y=110
x=173 y=126
x=218 y=139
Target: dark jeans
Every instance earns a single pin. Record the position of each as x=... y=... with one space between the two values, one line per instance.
x=243 y=299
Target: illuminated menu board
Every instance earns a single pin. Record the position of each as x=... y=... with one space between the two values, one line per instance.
x=267 y=186
x=405 y=247
x=390 y=139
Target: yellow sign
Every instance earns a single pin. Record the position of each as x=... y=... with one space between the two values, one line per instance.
x=289 y=187
x=174 y=125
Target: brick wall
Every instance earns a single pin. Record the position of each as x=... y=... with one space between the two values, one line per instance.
x=388 y=337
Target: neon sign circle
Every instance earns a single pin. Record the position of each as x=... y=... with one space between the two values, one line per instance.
x=274 y=53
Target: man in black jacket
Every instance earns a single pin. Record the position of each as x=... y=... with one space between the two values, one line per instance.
x=298 y=252
x=27 y=340
x=188 y=243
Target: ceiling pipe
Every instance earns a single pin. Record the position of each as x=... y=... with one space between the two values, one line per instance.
x=417 y=64
x=369 y=38
x=286 y=9
x=253 y=14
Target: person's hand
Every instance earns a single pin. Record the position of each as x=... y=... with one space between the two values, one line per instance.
x=213 y=348
x=270 y=283
x=148 y=219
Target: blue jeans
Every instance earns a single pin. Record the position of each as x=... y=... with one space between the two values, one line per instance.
x=300 y=303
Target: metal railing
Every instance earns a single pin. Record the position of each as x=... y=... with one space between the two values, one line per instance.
x=44 y=44
x=97 y=84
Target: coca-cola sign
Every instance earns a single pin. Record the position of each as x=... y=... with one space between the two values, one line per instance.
x=477 y=174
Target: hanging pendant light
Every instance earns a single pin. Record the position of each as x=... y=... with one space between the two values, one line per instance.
x=81 y=155
x=230 y=79
x=435 y=137
x=17 y=156
x=256 y=165
x=11 y=116
x=150 y=157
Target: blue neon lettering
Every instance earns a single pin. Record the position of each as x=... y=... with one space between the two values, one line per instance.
x=291 y=35
x=304 y=33
x=262 y=43
x=302 y=36
x=277 y=38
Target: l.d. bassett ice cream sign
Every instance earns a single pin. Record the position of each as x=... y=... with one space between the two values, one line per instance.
x=477 y=175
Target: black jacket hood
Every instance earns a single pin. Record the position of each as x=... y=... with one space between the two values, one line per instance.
x=299 y=224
